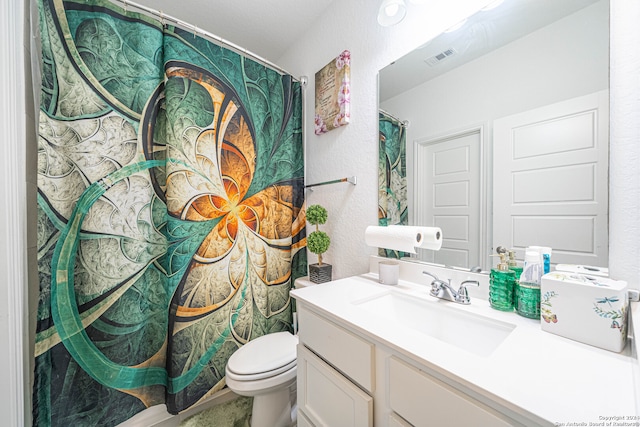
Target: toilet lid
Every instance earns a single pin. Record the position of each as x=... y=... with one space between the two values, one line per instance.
x=264 y=356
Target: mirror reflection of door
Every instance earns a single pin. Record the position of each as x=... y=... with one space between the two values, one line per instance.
x=520 y=56
x=448 y=176
x=550 y=185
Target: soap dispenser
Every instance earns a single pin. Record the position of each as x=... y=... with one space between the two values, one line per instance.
x=501 y=285
x=513 y=263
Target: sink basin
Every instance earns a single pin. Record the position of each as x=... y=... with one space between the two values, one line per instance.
x=471 y=332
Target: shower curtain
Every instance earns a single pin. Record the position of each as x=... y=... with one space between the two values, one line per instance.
x=170 y=222
x=392 y=176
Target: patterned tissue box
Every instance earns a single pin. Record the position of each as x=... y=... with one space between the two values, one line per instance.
x=589 y=309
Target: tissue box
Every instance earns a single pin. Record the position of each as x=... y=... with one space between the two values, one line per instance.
x=589 y=309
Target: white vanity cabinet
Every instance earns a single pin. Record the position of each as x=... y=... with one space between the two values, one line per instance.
x=335 y=374
x=373 y=354
x=327 y=398
x=346 y=379
x=424 y=400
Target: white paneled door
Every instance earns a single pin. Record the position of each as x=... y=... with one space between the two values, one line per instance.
x=448 y=182
x=550 y=180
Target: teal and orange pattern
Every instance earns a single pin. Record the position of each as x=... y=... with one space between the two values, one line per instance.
x=171 y=220
x=392 y=176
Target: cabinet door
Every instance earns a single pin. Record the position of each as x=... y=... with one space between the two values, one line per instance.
x=327 y=398
x=347 y=352
x=396 y=421
x=425 y=401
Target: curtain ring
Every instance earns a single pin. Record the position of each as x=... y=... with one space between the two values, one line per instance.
x=126 y=5
x=161 y=17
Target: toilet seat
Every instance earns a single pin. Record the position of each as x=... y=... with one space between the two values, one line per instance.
x=264 y=357
x=265 y=368
x=245 y=387
x=260 y=375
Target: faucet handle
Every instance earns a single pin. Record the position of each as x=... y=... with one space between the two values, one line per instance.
x=463 y=296
x=435 y=280
x=435 y=283
x=426 y=273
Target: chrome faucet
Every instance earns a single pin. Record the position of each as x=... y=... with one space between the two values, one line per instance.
x=443 y=290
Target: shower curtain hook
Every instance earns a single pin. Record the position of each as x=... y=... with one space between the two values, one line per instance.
x=161 y=17
x=195 y=31
x=126 y=5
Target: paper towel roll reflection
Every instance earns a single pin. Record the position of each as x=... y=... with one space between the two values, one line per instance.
x=399 y=238
x=431 y=238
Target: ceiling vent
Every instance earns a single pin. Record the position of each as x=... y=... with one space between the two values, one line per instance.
x=436 y=59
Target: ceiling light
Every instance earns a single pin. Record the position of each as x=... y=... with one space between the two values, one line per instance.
x=391 y=12
x=492 y=5
x=456 y=27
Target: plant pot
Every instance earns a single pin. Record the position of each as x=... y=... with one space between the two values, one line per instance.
x=320 y=273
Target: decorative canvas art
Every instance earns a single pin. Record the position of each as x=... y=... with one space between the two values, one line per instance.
x=333 y=94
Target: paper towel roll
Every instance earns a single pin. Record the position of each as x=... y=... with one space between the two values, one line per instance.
x=431 y=238
x=399 y=238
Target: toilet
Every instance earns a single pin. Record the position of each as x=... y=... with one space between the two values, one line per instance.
x=265 y=369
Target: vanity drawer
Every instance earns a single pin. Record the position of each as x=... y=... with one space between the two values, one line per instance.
x=426 y=401
x=328 y=399
x=348 y=353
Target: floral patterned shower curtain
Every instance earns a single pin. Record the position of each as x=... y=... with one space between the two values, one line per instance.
x=392 y=176
x=170 y=221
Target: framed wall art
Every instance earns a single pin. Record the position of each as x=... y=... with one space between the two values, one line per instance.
x=333 y=94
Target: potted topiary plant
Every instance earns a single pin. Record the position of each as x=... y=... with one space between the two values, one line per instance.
x=318 y=242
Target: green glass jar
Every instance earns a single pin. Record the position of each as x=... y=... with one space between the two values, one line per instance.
x=528 y=300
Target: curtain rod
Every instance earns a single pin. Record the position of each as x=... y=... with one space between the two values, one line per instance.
x=164 y=17
x=404 y=123
x=350 y=179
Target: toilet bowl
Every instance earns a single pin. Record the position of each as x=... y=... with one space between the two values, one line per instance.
x=265 y=369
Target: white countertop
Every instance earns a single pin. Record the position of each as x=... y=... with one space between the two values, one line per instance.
x=551 y=377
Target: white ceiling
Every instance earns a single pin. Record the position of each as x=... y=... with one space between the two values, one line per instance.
x=481 y=34
x=269 y=27
x=264 y=27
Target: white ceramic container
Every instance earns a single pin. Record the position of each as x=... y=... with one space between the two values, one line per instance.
x=589 y=309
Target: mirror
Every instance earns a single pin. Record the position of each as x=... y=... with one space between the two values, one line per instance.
x=507 y=132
